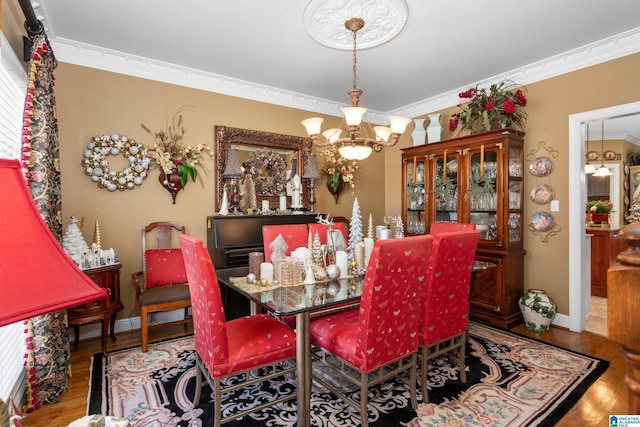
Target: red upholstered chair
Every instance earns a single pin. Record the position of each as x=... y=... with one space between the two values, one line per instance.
x=380 y=339
x=322 y=229
x=448 y=227
x=295 y=235
x=235 y=348
x=162 y=285
x=445 y=308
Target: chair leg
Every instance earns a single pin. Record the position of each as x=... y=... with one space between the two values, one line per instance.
x=196 y=398
x=423 y=375
x=217 y=404
x=364 y=399
x=463 y=366
x=144 y=329
x=412 y=382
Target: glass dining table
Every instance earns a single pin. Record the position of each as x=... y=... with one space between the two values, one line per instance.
x=300 y=301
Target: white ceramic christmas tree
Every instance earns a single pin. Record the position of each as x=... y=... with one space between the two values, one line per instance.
x=72 y=242
x=355 y=229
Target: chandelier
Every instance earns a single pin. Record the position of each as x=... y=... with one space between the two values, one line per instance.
x=357 y=144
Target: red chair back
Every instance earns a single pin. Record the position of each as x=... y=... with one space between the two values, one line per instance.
x=322 y=229
x=450 y=227
x=295 y=235
x=209 y=325
x=391 y=299
x=445 y=306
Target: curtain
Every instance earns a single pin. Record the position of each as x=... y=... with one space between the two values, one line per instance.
x=48 y=351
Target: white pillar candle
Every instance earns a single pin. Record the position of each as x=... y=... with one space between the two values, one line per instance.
x=368 y=247
x=379 y=229
x=283 y=203
x=343 y=263
x=385 y=234
x=265 y=205
x=359 y=254
x=266 y=271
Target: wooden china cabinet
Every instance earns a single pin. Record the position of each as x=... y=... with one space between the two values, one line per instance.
x=474 y=179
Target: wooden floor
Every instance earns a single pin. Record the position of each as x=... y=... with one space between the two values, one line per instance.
x=607 y=396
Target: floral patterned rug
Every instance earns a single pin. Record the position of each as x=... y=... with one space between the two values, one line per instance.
x=511 y=381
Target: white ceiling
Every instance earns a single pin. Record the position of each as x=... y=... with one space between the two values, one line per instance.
x=260 y=50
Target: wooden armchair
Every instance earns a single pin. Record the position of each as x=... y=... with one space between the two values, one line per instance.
x=162 y=285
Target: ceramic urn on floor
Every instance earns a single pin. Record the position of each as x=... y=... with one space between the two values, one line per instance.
x=537 y=309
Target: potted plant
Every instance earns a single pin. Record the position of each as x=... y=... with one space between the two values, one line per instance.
x=500 y=106
x=598 y=211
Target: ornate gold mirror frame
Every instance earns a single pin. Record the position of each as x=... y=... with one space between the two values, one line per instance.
x=228 y=137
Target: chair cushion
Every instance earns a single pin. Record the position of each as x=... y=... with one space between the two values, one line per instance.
x=164 y=294
x=253 y=341
x=336 y=333
x=163 y=267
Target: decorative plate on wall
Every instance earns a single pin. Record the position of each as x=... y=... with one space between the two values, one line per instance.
x=626 y=200
x=541 y=166
x=592 y=155
x=542 y=221
x=626 y=184
x=609 y=155
x=542 y=194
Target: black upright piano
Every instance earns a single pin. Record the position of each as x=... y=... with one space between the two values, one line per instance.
x=231 y=238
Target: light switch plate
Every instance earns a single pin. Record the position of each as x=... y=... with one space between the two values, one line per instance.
x=555 y=206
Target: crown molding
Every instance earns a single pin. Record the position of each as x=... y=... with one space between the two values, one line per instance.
x=604 y=50
x=87 y=55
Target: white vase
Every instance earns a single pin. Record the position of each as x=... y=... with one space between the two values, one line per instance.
x=434 y=130
x=419 y=134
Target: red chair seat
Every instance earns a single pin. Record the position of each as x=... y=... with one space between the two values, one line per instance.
x=335 y=334
x=253 y=341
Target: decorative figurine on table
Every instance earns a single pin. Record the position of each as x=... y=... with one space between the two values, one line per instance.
x=296 y=194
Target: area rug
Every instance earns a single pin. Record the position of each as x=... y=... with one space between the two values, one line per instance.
x=511 y=381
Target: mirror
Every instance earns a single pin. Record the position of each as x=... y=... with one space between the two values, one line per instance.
x=253 y=148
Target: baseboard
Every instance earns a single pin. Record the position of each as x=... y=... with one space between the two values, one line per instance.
x=94 y=330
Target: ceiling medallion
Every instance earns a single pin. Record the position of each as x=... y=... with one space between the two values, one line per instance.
x=324 y=21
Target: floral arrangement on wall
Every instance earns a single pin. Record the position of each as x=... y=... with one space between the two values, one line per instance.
x=172 y=155
x=500 y=106
x=336 y=168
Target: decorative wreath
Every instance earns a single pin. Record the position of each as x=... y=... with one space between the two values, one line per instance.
x=96 y=165
x=275 y=168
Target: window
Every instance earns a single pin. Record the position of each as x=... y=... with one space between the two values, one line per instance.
x=13 y=83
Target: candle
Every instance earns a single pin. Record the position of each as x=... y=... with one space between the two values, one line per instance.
x=359 y=254
x=255 y=259
x=379 y=229
x=343 y=263
x=283 y=203
x=481 y=160
x=265 y=206
x=266 y=271
x=368 y=247
x=415 y=168
x=385 y=234
x=444 y=166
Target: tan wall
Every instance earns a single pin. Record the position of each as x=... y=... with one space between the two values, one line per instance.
x=550 y=102
x=92 y=102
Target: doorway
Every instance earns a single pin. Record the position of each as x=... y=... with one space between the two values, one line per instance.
x=579 y=294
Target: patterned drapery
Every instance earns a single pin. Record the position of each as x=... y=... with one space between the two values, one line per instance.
x=48 y=352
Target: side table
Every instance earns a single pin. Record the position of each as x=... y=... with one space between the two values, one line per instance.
x=104 y=309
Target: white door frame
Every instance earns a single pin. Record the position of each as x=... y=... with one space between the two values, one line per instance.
x=579 y=295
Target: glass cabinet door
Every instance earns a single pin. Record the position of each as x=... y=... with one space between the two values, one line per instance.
x=483 y=189
x=514 y=224
x=445 y=186
x=415 y=195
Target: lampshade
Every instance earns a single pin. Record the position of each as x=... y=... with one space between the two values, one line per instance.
x=589 y=169
x=36 y=275
x=355 y=152
x=603 y=171
x=232 y=167
x=311 y=170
